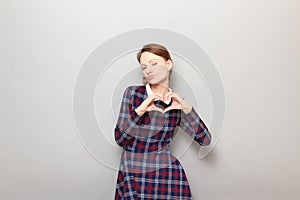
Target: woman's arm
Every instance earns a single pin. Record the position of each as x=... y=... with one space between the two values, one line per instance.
x=128 y=119
x=192 y=124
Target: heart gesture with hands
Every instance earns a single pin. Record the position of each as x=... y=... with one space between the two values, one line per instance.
x=177 y=103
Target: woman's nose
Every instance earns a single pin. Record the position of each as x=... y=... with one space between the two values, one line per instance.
x=149 y=70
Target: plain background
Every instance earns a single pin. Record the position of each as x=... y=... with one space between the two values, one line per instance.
x=254 y=44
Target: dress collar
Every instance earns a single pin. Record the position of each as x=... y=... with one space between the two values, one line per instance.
x=149 y=92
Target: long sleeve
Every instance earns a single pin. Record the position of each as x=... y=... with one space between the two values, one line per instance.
x=192 y=124
x=128 y=119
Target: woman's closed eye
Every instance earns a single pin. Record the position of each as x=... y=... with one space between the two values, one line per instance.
x=154 y=63
x=143 y=67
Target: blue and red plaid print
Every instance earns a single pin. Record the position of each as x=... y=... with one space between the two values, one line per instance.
x=147 y=168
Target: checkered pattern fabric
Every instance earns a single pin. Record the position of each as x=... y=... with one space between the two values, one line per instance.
x=147 y=169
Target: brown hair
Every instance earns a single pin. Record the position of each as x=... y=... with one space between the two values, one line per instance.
x=156 y=49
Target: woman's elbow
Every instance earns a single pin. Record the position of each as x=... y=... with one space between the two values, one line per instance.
x=118 y=136
x=204 y=139
x=121 y=138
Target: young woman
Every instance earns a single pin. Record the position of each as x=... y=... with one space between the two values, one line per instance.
x=147 y=119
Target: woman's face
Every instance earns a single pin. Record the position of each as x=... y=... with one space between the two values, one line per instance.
x=155 y=68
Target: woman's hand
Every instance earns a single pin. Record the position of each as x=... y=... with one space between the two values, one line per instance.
x=177 y=103
x=148 y=104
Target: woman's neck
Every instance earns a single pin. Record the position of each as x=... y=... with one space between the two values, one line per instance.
x=160 y=88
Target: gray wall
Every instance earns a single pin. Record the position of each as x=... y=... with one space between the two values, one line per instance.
x=255 y=46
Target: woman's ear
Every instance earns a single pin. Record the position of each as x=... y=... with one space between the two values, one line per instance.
x=169 y=64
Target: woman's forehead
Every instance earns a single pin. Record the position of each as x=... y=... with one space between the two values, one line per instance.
x=147 y=57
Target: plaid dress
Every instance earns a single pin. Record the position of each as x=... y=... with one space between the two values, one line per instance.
x=147 y=169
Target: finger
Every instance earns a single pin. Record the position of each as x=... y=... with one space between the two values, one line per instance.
x=159 y=96
x=152 y=107
x=174 y=95
x=153 y=96
x=173 y=108
x=175 y=98
x=157 y=109
x=169 y=95
x=167 y=109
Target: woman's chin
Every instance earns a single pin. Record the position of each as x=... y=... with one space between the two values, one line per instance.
x=155 y=82
x=151 y=81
